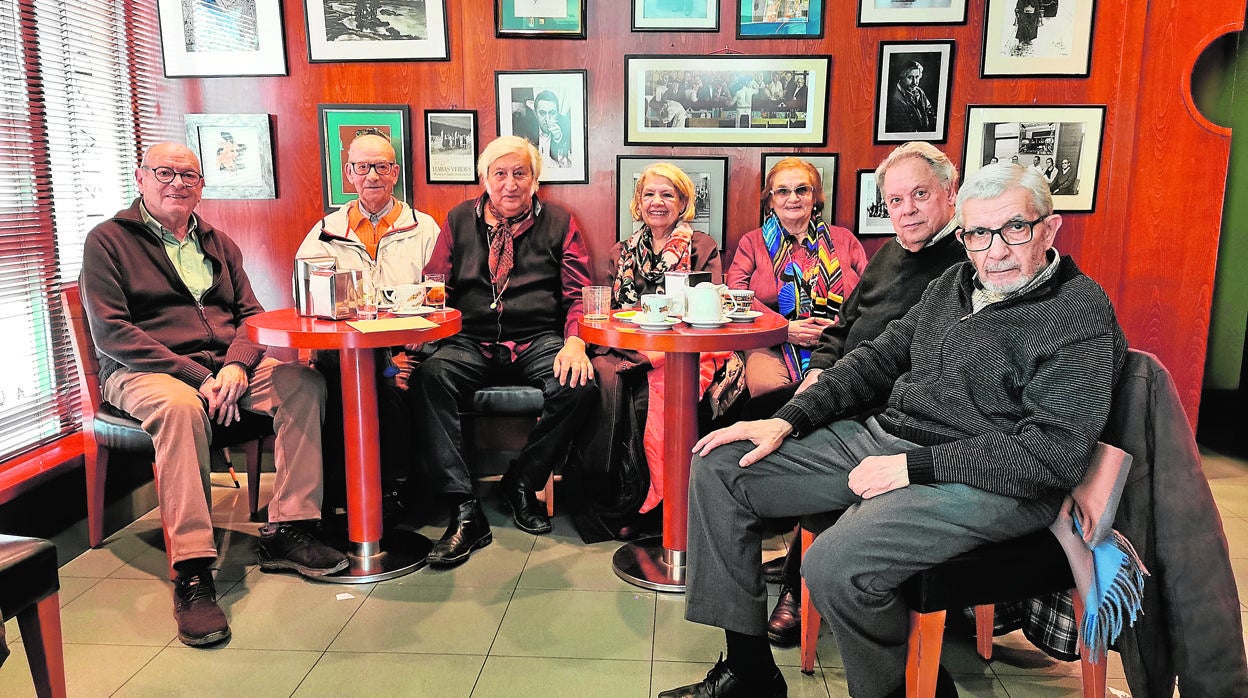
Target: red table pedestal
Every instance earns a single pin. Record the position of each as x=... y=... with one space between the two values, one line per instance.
x=659 y=563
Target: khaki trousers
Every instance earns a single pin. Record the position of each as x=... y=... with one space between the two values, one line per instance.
x=175 y=415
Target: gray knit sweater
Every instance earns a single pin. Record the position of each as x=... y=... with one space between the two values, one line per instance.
x=1011 y=399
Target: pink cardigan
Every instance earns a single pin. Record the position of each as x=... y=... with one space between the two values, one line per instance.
x=751 y=266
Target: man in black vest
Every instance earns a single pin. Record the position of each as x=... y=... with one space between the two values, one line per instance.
x=514 y=267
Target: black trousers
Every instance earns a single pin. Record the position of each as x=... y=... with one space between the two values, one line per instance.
x=444 y=385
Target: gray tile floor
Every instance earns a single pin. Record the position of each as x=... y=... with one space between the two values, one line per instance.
x=527 y=616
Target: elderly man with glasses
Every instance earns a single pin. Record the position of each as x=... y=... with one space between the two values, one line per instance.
x=375 y=232
x=166 y=295
x=994 y=388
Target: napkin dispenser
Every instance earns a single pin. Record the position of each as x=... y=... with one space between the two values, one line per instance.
x=302 y=279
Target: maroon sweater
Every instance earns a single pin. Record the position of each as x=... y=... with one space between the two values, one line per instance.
x=143 y=317
x=543 y=293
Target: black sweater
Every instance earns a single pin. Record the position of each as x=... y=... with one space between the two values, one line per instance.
x=1010 y=399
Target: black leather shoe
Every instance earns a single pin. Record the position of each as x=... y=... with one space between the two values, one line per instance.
x=468 y=531
x=784 y=628
x=720 y=682
x=528 y=513
x=773 y=570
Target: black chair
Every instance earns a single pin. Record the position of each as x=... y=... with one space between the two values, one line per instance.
x=498 y=422
x=28 y=591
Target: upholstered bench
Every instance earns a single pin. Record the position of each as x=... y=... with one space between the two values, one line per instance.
x=28 y=591
x=496 y=427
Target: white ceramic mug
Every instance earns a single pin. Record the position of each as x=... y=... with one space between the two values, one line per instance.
x=655 y=307
x=705 y=302
x=406 y=297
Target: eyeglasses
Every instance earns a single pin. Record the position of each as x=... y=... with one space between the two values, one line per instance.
x=382 y=168
x=784 y=192
x=165 y=175
x=1012 y=233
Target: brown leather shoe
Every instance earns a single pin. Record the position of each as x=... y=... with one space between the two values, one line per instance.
x=784 y=628
x=200 y=620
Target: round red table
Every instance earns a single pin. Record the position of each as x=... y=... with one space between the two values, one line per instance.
x=286 y=328
x=659 y=563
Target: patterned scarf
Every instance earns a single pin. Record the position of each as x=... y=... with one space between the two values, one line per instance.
x=803 y=272
x=502 y=239
x=638 y=258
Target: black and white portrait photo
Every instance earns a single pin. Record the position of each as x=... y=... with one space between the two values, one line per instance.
x=912 y=98
x=363 y=30
x=547 y=108
x=1037 y=37
x=709 y=175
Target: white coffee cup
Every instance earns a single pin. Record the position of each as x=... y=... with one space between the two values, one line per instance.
x=705 y=302
x=742 y=300
x=655 y=307
x=406 y=297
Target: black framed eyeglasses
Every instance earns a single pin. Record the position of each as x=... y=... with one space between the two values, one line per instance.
x=382 y=168
x=784 y=192
x=165 y=175
x=1012 y=233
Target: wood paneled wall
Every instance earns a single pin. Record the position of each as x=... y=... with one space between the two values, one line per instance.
x=1151 y=242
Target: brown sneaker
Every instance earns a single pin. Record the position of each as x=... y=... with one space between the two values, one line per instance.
x=288 y=547
x=200 y=620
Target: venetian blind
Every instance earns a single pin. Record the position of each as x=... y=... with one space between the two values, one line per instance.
x=67 y=153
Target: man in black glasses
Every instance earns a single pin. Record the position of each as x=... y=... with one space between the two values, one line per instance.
x=997 y=384
x=392 y=239
x=166 y=295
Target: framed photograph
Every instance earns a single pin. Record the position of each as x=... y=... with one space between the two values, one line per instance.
x=726 y=100
x=871 y=217
x=451 y=146
x=548 y=107
x=1063 y=143
x=911 y=12
x=1042 y=38
x=377 y=30
x=236 y=152
x=540 y=19
x=339 y=125
x=201 y=39
x=681 y=15
x=912 y=94
x=710 y=181
x=825 y=163
x=779 y=19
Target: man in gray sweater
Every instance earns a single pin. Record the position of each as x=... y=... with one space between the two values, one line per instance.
x=997 y=385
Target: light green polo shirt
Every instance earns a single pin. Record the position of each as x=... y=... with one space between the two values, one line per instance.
x=187 y=254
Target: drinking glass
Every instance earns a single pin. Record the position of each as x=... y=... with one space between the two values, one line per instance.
x=370 y=294
x=435 y=291
x=597 y=301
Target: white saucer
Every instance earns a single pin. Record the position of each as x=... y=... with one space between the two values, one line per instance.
x=747 y=316
x=708 y=325
x=422 y=310
x=666 y=324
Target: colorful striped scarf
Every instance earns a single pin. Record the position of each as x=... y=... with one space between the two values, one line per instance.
x=803 y=272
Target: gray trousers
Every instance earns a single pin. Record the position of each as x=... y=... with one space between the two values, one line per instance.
x=854 y=568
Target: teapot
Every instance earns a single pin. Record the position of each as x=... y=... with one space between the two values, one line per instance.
x=705 y=302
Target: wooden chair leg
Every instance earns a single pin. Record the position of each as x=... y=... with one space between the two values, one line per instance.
x=809 y=616
x=983 y=630
x=927 y=632
x=96 y=467
x=252 y=451
x=41 y=635
x=1093 y=671
x=548 y=495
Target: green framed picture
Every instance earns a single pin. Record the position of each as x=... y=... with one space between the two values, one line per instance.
x=340 y=124
x=539 y=19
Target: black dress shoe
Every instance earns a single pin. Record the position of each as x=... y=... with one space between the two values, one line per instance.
x=468 y=531
x=720 y=682
x=528 y=513
x=773 y=570
x=784 y=628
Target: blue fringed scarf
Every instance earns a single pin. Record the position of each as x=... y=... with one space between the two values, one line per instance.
x=1115 y=592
